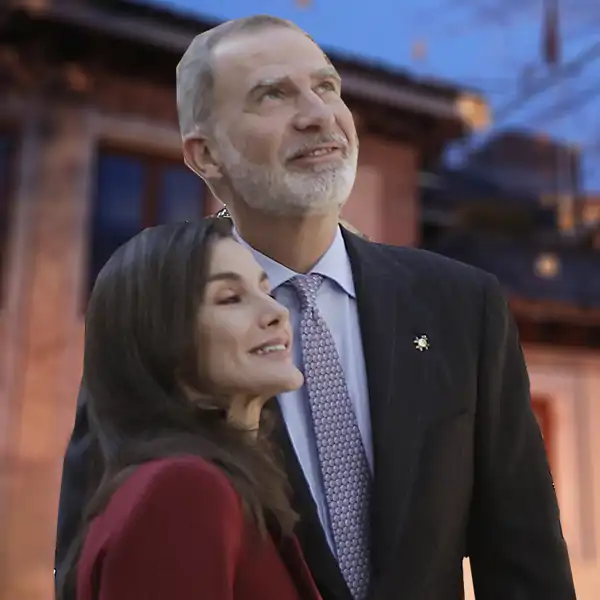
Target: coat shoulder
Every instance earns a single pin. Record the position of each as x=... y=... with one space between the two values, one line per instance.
x=177 y=484
x=427 y=266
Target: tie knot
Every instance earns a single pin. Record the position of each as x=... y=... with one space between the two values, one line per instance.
x=306 y=287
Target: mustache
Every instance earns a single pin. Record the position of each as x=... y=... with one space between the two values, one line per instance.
x=333 y=139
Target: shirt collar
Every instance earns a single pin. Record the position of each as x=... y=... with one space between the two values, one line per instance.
x=334 y=265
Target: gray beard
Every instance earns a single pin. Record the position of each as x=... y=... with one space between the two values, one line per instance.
x=284 y=193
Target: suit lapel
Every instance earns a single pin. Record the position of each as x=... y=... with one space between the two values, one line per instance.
x=401 y=381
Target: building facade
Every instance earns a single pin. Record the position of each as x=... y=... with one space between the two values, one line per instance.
x=544 y=249
x=90 y=154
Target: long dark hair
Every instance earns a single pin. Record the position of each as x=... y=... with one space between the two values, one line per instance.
x=141 y=345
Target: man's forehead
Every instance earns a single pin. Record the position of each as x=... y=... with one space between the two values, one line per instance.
x=274 y=53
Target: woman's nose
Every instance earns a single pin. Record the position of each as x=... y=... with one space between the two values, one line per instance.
x=274 y=314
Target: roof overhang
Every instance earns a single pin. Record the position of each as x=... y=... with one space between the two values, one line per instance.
x=467 y=109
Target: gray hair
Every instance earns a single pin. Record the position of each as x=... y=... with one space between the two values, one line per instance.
x=195 y=77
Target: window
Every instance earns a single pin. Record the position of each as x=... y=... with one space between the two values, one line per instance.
x=7 y=147
x=133 y=192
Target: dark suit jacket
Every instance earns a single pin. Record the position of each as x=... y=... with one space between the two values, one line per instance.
x=176 y=530
x=460 y=466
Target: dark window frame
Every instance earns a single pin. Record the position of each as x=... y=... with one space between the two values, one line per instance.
x=154 y=164
x=7 y=202
x=158 y=161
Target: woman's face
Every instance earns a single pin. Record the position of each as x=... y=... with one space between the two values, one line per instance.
x=246 y=335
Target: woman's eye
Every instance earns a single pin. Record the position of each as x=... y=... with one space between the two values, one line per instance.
x=233 y=299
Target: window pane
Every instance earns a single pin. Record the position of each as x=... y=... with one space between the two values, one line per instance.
x=120 y=185
x=118 y=207
x=181 y=195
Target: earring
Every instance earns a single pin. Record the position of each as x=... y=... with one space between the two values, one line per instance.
x=223 y=214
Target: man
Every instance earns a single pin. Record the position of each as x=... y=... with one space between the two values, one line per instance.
x=413 y=443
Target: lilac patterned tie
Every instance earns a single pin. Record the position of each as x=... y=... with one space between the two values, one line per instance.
x=344 y=467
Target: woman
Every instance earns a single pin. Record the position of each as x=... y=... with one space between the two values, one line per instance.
x=184 y=345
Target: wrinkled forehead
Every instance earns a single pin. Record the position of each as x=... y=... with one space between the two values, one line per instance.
x=245 y=59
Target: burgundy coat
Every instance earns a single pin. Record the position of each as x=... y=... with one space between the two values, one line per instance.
x=175 y=530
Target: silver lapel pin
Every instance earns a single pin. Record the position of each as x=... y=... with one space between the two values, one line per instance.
x=421 y=343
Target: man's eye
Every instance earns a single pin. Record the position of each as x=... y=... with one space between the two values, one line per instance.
x=273 y=94
x=326 y=86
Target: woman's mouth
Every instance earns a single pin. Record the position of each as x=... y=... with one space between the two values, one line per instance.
x=272 y=349
x=269 y=349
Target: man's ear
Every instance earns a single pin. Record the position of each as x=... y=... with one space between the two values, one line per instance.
x=201 y=156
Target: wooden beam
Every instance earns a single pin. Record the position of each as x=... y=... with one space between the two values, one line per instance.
x=558 y=334
x=546 y=311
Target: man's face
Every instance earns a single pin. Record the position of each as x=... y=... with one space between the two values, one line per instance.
x=285 y=140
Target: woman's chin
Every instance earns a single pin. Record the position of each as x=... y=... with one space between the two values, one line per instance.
x=288 y=381
x=296 y=380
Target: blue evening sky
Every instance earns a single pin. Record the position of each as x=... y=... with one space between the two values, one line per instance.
x=490 y=45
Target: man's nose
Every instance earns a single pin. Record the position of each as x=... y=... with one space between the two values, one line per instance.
x=313 y=113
